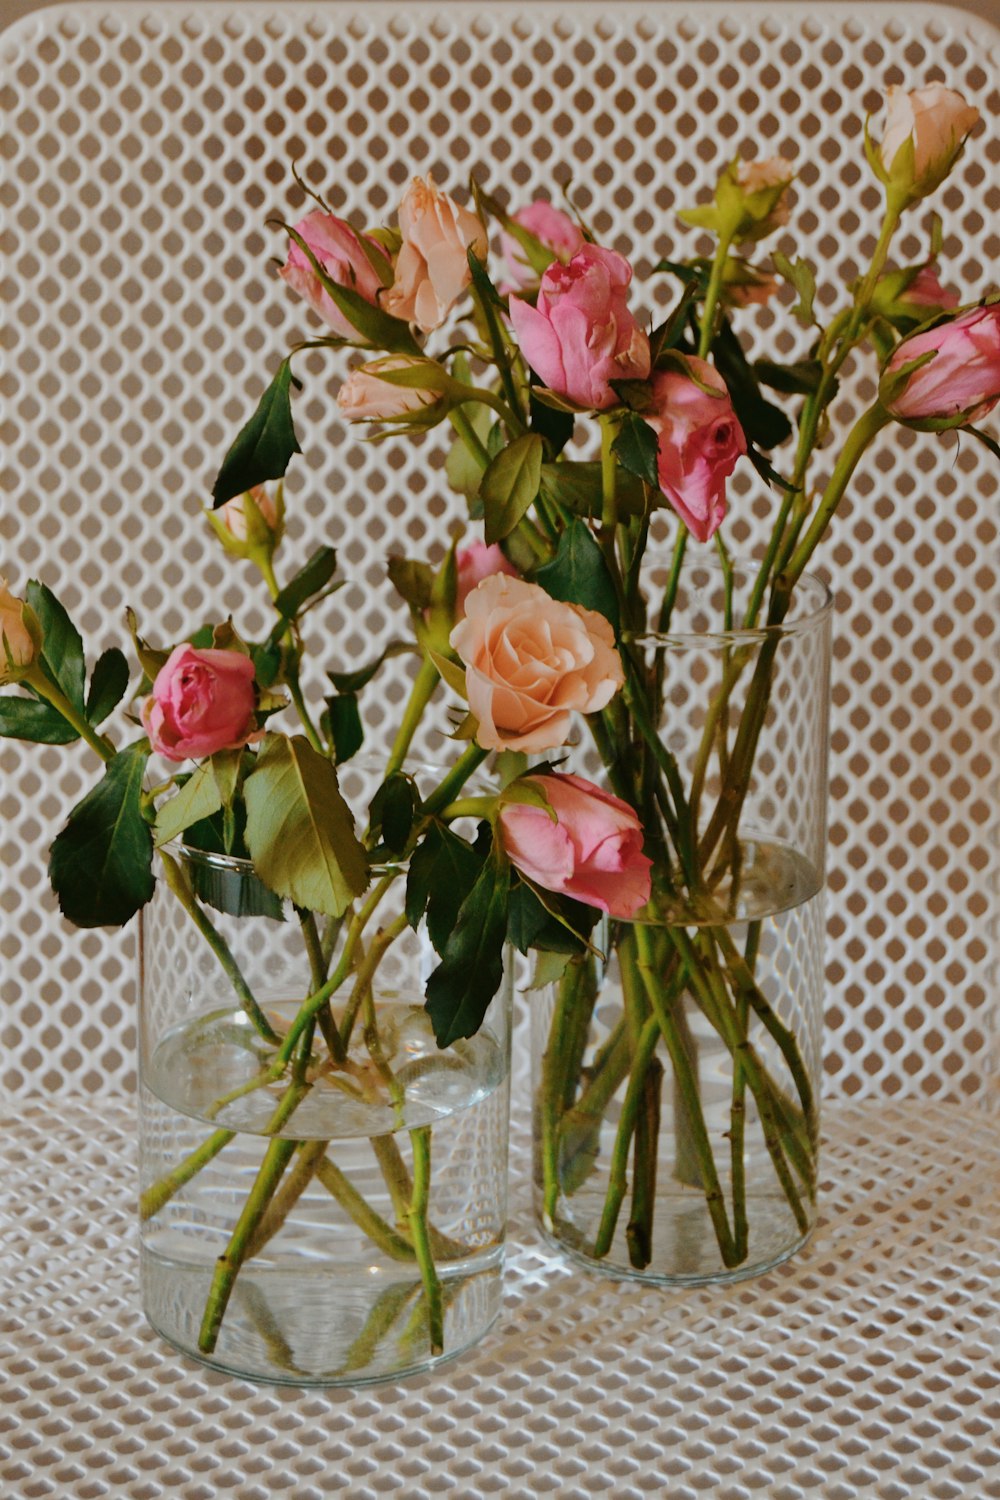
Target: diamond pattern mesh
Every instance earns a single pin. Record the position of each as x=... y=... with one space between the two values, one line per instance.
x=144 y=151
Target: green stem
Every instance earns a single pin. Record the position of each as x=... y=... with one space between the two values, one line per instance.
x=293 y=1186
x=368 y=1221
x=420 y=695
x=161 y=1192
x=609 y=509
x=217 y=943
x=470 y=437
x=618 y=1170
x=673 y=580
x=291 y=669
x=868 y=425
x=639 y=1230
x=417 y=1217
x=707 y=329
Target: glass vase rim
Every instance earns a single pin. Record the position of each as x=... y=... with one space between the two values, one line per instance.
x=738 y=634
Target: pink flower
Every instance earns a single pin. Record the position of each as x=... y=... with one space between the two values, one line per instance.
x=936 y=120
x=338 y=249
x=366 y=397
x=531 y=662
x=580 y=335
x=432 y=267
x=961 y=382
x=555 y=229
x=474 y=563
x=925 y=290
x=202 y=701
x=699 y=443
x=592 y=851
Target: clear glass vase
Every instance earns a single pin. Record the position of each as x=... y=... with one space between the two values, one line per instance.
x=340 y=1219
x=676 y=1066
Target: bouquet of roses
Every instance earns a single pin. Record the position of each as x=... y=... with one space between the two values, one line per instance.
x=533 y=632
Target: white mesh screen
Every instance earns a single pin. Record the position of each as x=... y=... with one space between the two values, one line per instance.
x=143 y=152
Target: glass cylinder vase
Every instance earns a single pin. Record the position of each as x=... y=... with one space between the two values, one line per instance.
x=338 y=1218
x=676 y=1064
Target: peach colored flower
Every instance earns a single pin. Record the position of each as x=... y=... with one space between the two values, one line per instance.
x=17 y=649
x=234 y=512
x=432 y=267
x=365 y=397
x=757 y=177
x=531 y=662
x=936 y=120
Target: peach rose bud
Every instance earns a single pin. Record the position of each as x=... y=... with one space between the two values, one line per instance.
x=591 y=850
x=751 y=200
x=432 y=267
x=202 y=701
x=366 y=397
x=531 y=663
x=925 y=130
x=17 y=647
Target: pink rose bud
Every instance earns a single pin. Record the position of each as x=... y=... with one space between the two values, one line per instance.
x=17 y=649
x=925 y=290
x=432 y=267
x=473 y=564
x=934 y=121
x=202 y=701
x=338 y=249
x=580 y=334
x=592 y=851
x=366 y=397
x=531 y=662
x=556 y=231
x=699 y=441
x=912 y=295
x=960 y=385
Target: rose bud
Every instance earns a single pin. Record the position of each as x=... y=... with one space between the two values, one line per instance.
x=474 y=563
x=252 y=523
x=580 y=334
x=925 y=130
x=432 y=267
x=960 y=385
x=591 y=849
x=912 y=295
x=202 y=701
x=555 y=230
x=17 y=644
x=366 y=396
x=339 y=249
x=699 y=441
x=750 y=201
x=531 y=662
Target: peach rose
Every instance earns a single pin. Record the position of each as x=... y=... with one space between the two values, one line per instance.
x=365 y=397
x=532 y=661
x=766 y=182
x=432 y=267
x=936 y=120
x=17 y=649
x=240 y=519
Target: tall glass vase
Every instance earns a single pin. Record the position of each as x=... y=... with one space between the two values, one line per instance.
x=339 y=1221
x=677 y=1063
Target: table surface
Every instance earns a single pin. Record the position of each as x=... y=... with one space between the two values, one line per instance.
x=865 y=1367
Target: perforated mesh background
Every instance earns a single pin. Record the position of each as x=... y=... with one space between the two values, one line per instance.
x=145 y=149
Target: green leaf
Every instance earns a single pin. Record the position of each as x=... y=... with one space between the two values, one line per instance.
x=308 y=581
x=558 y=927
x=556 y=427
x=471 y=969
x=443 y=869
x=101 y=862
x=264 y=447
x=27 y=719
x=151 y=658
x=578 y=574
x=198 y=798
x=412 y=580
x=799 y=379
x=463 y=469
x=802 y=277
x=353 y=682
x=549 y=968
x=578 y=487
x=62 y=646
x=393 y=809
x=986 y=440
x=108 y=685
x=764 y=424
x=510 y=484
x=636 y=448
x=343 y=720
x=300 y=831
x=266 y=659
x=451 y=672
x=226 y=768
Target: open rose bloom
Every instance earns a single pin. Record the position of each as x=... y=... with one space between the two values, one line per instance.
x=432 y=267
x=699 y=442
x=202 y=701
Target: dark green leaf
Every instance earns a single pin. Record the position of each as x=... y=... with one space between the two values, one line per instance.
x=510 y=484
x=108 y=685
x=471 y=969
x=308 y=581
x=636 y=448
x=27 y=719
x=764 y=424
x=984 y=438
x=578 y=574
x=685 y=273
x=264 y=447
x=767 y=471
x=266 y=660
x=413 y=581
x=529 y=925
x=344 y=722
x=443 y=869
x=492 y=307
x=556 y=427
x=62 y=646
x=101 y=862
x=393 y=809
x=799 y=379
x=353 y=682
x=578 y=487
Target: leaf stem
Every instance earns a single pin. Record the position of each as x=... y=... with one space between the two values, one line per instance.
x=45 y=688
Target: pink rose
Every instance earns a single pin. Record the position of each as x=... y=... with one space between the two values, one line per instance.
x=925 y=290
x=581 y=335
x=555 y=229
x=592 y=851
x=366 y=397
x=202 y=701
x=338 y=249
x=936 y=120
x=699 y=441
x=474 y=563
x=531 y=662
x=961 y=382
x=432 y=267
x=17 y=649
